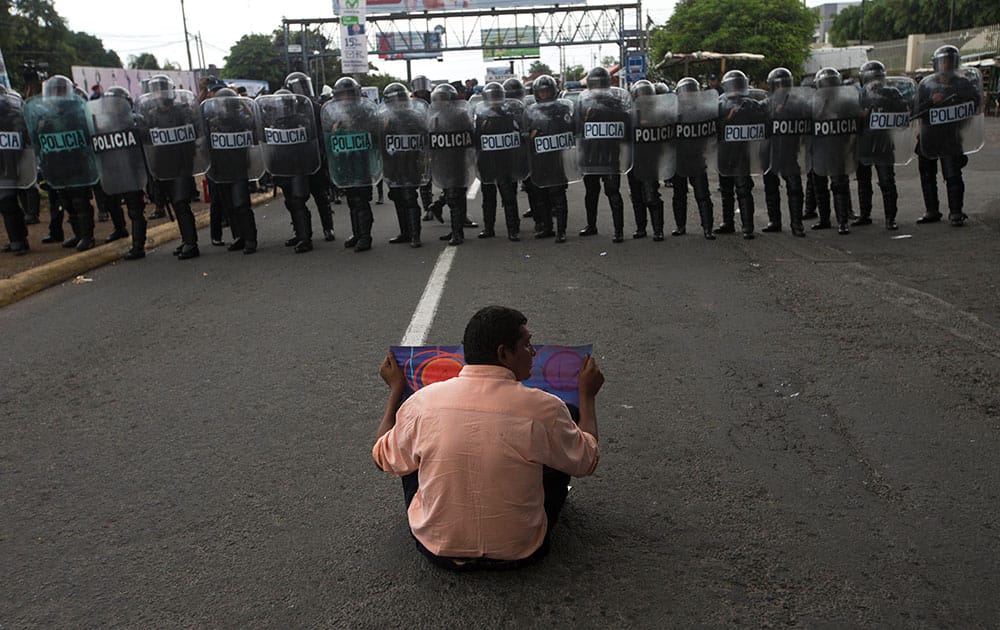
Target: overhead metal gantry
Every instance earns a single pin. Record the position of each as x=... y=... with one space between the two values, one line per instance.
x=573 y=25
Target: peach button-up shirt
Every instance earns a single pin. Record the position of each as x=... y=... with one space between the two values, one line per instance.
x=478 y=442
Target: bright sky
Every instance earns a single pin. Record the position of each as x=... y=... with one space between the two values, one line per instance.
x=134 y=26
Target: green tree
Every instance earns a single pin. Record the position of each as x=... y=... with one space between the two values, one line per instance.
x=895 y=19
x=575 y=73
x=380 y=80
x=256 y=56
x=143 y=61
x=34 y=34
x=781 y=30
x=608 y=60
x=539 y=67
x=90 y=52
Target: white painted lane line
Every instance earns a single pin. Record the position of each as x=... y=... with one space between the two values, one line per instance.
x=423 y=316
x=473 y=189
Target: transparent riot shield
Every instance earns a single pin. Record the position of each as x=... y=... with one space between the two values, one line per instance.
x=950 y=109
x=351 y=133
x=61 y=134
x=288 y=134
x=603 y=128
x=789 y=130
x=173 y=134
x=697 y=130
x=654 y=123
x=836 y=122
x=405 y=159
x=116 y=144
x=552 y=151
x=17 y=158
x=742 y=149
x=887 y=135
x=451 y=143
x=231 y=123
x=501 y=149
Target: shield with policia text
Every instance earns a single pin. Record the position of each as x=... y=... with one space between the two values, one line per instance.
x=836 y=123
x=950 y=109
x=886 y=129
x=17 y=159
x=61 y=133
x=351 y=134
x=231 y=124
x=288 y=135
x=789 y=130
x=116 y=144
x=552 y=151
x=697 y=129
x=603 y=127
x=654 y=124
x=405 y=159
x=500 y=147
x=173 y=134
x=451 y=141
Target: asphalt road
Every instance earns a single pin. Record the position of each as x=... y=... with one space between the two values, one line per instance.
x=794 y=432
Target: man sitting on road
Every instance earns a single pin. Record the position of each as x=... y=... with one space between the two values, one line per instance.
x=485 y=461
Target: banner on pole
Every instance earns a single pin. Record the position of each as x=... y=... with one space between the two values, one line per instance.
x=354 y=40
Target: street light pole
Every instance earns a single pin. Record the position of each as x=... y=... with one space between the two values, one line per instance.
x=187 y=40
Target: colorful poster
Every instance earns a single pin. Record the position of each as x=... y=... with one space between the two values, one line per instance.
x=555 y=369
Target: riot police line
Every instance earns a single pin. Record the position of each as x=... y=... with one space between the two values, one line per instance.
x=810 y=138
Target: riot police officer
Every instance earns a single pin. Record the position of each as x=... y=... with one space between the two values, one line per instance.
x=603 y=118
x=17 y=170
x=884 y=133
x=351 y=131
x=742 y=130
x=947 y=103
x=836 y=117
x=420 y=88
x=452 y=153
x=319 y=182
x=697 y=114
x=653 y=118
x=405 y=165
x=501 y=158
x=552 y=153
x=791 y=125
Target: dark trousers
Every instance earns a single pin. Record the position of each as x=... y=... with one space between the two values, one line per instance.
x=508 y=198
x=733 y=189
x=772 y=198
x=645 y=195
x=13 y=218
x=612 y=186
x=951 y=170
x=555 y=485
x=887 y=184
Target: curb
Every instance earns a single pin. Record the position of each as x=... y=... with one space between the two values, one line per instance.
x=21 y=285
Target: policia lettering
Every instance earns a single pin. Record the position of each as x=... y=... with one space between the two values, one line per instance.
x=11 y=141
x=63 y=141
x=349 y=143
x=451 y=140
x=114 y=141
x=285 y=136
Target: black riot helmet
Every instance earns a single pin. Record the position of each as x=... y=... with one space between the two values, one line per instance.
x=661 y=88
x=421 y=84
x=395 y=93
x=57 y=86
x=545 y=89
x=443 y=93
x=688 y=85
x=300 y=83
x=225 y=92
x=346 y=89
x=162 y=85
x=281 y=91
x=493 y=92
x=643 y=88
x=827 y=77
x=946 y=59
x=513 y=88
x=779 y=78
x=872 y=71
x=117 y=91
x=598 y=78
x=735 y=83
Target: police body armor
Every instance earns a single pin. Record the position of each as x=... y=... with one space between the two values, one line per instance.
x=17 y=159
x=351 y=133
x=231 y=124
x=886 y=130
x=552 y=146
x=173 y=131
x=789 y=130
x=697 y=130
x=950 y=109
x=451 y=143
x=654 y=123
x=501 y=147
x=603 y=126
x=836 y=123
x=405 y=159
x=116 y=143
x=61 y=133
x=288 y=135
x=742 y=135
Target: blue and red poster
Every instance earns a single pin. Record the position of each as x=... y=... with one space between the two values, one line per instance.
x=555 y=369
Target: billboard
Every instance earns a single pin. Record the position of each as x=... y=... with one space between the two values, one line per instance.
x=509 y=43
x=411 y=45
x=131 y=80
x=354 y=41
x=379 y=7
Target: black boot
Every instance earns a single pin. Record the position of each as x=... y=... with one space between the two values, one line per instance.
x=404 y=225
x=891 y=203
x=365 y=218
x=189 y=231
x=955 y=187
x=117 y=220
x=138 y=249
x=85 y=220
x=795 y=202
x=413 y=217
x=74 y=226
x=457 y=208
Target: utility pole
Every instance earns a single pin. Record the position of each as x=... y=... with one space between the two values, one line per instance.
x=187 y=40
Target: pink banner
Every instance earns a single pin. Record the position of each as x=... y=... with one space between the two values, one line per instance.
x=131 y=80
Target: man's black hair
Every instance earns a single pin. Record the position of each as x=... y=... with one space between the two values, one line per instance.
x=489 y=328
